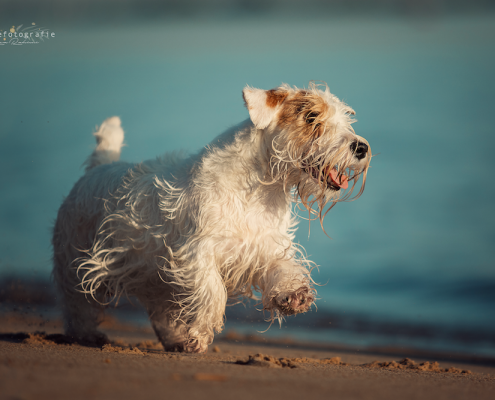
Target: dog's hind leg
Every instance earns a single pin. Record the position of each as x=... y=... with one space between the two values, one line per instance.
x=81 y=319
x=81 y=312
x=171 y=332
x=164 y=315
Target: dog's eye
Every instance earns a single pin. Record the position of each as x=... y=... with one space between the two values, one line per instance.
x=310 y=118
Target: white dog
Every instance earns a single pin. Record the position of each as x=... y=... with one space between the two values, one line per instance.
x=185 y=234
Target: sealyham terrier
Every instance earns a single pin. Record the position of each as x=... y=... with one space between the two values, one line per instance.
x=184 y=234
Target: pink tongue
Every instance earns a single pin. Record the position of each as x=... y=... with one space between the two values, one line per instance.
x=343 y=179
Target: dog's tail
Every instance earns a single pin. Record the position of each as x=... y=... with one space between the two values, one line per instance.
x=109 y=139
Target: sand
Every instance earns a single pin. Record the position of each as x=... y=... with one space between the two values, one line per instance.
x=48 y=365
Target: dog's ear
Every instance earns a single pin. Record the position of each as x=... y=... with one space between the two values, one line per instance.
x=262 y=104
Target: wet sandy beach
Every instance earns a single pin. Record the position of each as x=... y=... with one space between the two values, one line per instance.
x=48 y=366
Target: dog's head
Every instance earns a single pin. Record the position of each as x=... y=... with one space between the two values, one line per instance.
x=312 y=143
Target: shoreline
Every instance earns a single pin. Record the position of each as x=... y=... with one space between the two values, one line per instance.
x=246 y=330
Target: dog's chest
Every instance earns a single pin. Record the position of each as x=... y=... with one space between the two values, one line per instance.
x=252 y=220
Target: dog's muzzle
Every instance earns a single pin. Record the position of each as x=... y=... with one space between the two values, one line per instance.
x=359 y=149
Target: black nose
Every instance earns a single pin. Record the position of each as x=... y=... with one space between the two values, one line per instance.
x=359 y=149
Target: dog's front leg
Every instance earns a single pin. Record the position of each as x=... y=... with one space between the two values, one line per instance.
x=199 y=300
x=208 y=307
x=287 y=288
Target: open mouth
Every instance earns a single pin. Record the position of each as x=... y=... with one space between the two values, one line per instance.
x=330 y=176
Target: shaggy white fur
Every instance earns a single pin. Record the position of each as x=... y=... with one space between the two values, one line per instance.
x=184 y=234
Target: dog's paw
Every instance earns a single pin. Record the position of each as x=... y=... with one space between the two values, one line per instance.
x=196 y=346
x=295 y=302
x=189 y=346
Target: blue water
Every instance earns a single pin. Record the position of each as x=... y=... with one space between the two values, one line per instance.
x=417 y=247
